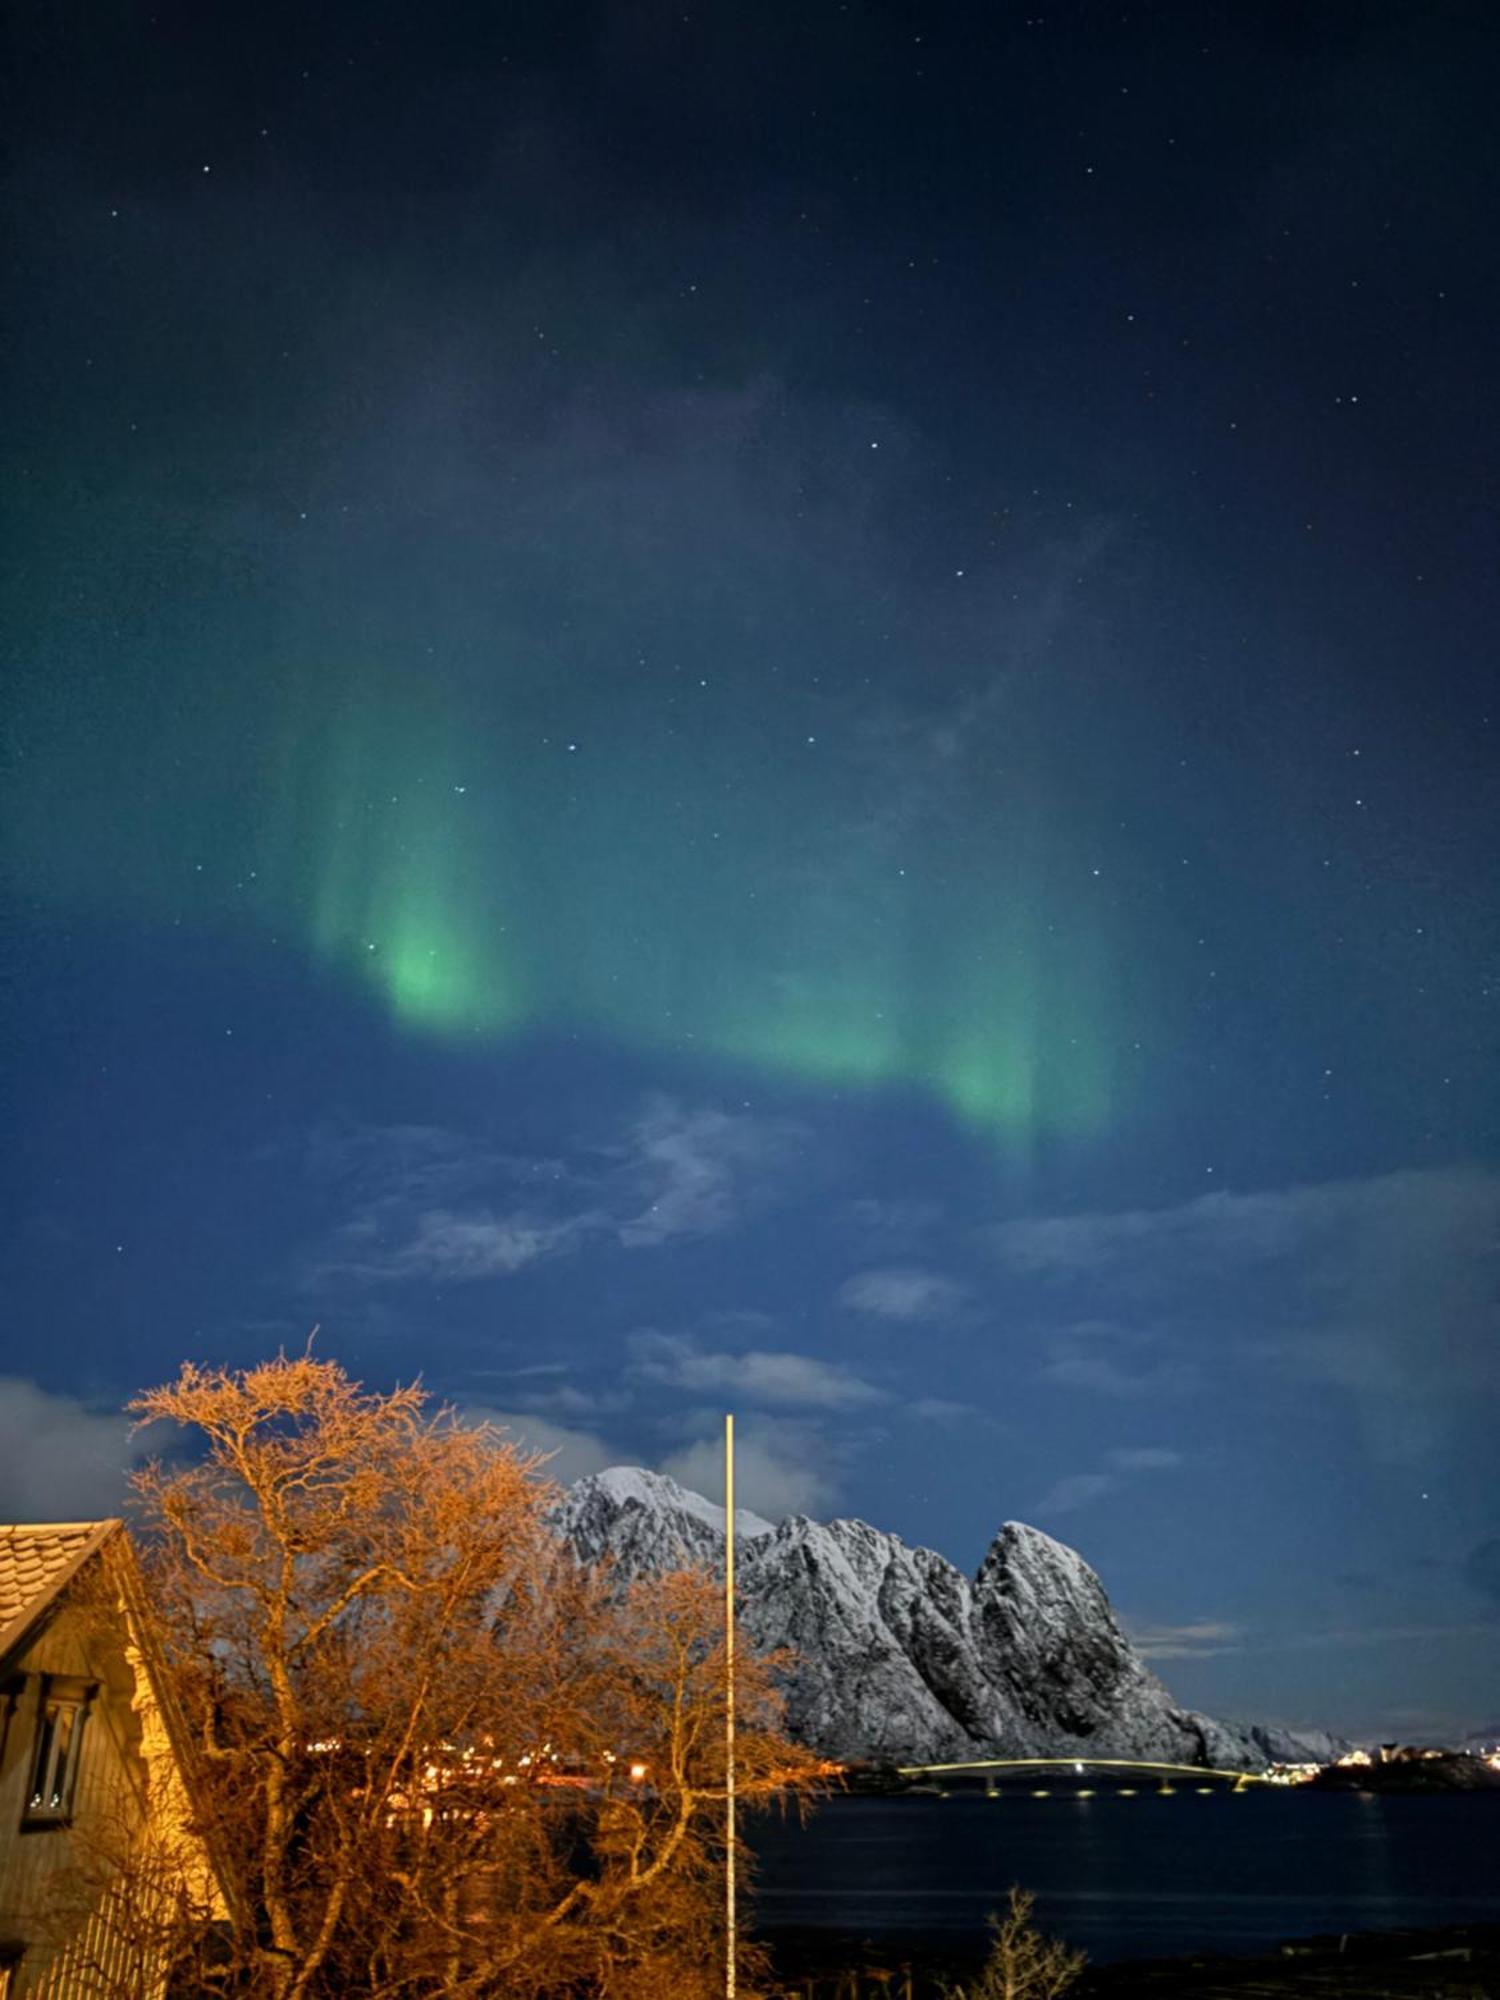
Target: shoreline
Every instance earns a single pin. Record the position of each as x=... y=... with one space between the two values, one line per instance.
x=1449 y=1959
x=1445 y=1962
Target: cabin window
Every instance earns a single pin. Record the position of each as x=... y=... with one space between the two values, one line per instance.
x=61 y=1716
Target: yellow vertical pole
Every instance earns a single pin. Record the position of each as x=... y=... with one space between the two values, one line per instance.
x=730 y=1919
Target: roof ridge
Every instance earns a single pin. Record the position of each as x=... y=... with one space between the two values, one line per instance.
x=60 y=1527
x=25 y=1600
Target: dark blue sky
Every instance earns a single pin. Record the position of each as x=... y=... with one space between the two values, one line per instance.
x=792 y=709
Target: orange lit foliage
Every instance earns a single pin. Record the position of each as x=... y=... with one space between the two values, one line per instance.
x=395 y=1672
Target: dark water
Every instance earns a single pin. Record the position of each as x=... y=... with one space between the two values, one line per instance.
x=1133 y=1877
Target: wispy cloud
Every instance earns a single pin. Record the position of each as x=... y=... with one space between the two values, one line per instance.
x=905 y=1293
x=392 y=1246
x=566 y=1400
x=1081 y=1489
x=457 y=1248
x=426 y=1203
x=780 y=1468
x=1373 y=1635
x=1202 y=1638
x=1074 y=1490
x=943 y=1410
x=688 y=1171
x=1103 y=1358
x=572 y=1453
x=1199 y=1640
x=1144 y=1458
x=1251 y=1227
x=437 y=1206
x=758 y=1375
x=1382 y=1287
x=60 y=1460
x=897 y=1226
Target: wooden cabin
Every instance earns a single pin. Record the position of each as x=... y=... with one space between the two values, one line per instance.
x=101 y=1873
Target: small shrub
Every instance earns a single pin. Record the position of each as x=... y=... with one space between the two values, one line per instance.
x=1022 y=1965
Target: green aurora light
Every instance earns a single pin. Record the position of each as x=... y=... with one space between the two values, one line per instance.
x=630 y=894
x=730 y=896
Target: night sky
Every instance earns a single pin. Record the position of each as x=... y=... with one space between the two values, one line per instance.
x=787 y=708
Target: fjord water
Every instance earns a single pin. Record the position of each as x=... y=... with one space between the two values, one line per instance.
x=1133 y=1877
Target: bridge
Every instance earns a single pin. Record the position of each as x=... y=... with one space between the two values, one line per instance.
x=989 y=1769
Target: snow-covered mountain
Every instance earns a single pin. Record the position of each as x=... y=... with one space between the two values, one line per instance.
x=899 y=1657
x=1296 y=1746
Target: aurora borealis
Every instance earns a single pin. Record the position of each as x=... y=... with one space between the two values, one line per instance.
x=794 y=707
x=696 y=851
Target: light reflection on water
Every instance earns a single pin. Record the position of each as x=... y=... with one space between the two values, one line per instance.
x=1134 y=1877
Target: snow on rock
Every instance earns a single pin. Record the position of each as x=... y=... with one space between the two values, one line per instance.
x=647 y=1523
x=1297 y=1746
x=897 y=1656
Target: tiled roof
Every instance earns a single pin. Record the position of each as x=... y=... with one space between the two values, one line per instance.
x=35 y=1564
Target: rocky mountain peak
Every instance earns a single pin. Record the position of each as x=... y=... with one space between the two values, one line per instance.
x=897 y=1655
x=647 y=1524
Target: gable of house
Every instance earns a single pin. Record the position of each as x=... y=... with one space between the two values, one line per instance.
x=96 y=1842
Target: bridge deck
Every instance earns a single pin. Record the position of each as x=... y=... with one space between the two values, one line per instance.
x=980 y=1766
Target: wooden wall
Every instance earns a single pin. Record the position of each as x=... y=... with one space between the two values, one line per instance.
x=90 y=1930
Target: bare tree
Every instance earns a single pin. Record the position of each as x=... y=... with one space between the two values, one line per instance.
x=1022 y=1965
x=441 y=1759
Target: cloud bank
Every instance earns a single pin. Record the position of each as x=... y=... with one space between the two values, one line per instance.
x=1384 y=1288
x=756 y=1376
x=906 y=1294
x=1123 y=1464
x=439 y=1207
x=60 y=1460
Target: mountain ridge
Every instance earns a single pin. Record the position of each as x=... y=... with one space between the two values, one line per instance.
x=898 y=1657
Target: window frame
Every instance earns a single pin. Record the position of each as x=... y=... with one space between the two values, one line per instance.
x=62 y=1712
